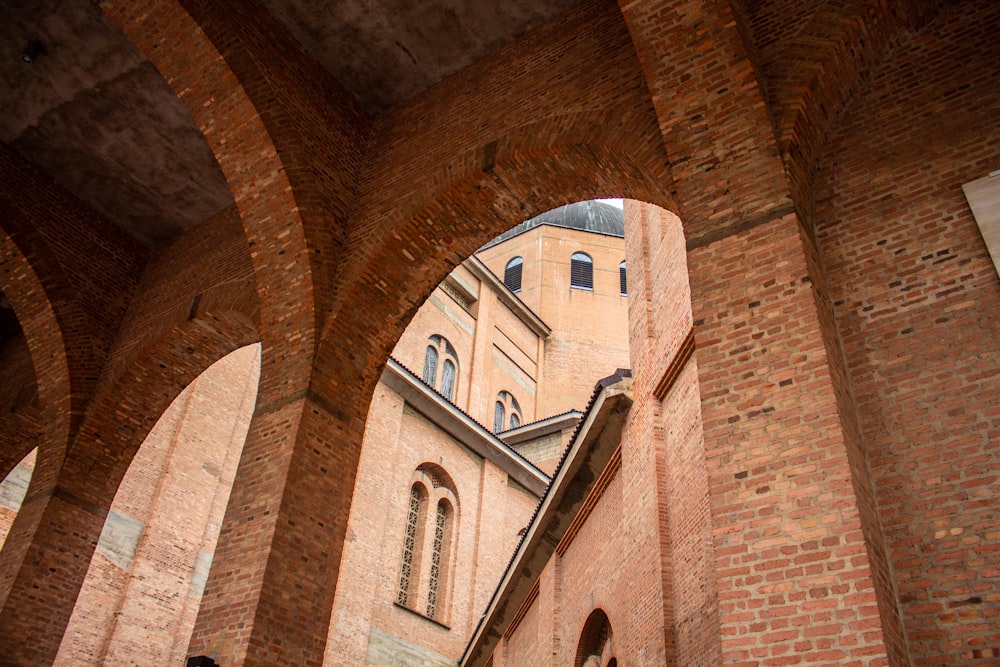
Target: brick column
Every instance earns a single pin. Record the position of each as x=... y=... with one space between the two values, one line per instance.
x=788 y=486
x=271 y=586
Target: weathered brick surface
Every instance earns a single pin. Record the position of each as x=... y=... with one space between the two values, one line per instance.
x=916 y=299
x=791 y=566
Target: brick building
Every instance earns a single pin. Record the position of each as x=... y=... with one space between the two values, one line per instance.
x=807 y=469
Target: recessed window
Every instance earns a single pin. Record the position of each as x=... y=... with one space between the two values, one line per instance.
x=581 y=271
x=506 y=405
x=410 y=567
x=512 y=274
x=428 y=543
x=622 y=278
x=445 y=378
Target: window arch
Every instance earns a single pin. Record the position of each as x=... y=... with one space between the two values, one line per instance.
x=512 y=274
x=623 y=278
x=443 y=376
x=429 y=539
x=506 y=405
x=581 y=271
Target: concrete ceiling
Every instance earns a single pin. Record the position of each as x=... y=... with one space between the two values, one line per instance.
x=386 y=51
x=94 y=114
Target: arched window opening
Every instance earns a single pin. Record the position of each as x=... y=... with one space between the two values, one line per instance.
x=512 y=274
x=439 y=559
x=595 y=646
x=410 y=566
x=505 y=405
x=623 y=279
x=498 y=415
x=430 y=365
x=446 y=379
x=581 y=271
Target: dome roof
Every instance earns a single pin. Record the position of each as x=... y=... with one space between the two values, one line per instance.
x=588 y=216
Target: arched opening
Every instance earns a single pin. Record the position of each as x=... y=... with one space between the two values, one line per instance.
x=528 y=358
x=145 y=580
x=595 y=646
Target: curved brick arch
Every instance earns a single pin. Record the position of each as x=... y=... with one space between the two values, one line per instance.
x=526 y=178
x=70 y=517
x=123 y=414
x=235 y=129
x=716 y=130
x=45 y=308
x=812 y=58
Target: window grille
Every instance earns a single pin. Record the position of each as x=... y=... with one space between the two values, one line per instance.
x=512 y=274
x=409 y=547
x=622 y=278
x=515 y=421
x=581 y=271
x=438 y=546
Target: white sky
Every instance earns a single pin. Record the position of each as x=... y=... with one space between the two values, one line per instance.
x=613 y=202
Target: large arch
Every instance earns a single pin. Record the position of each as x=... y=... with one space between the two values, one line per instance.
x=85 y=483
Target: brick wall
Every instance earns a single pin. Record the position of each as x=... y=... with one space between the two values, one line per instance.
x=917 y=300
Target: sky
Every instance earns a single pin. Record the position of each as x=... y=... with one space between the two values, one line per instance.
x=613 y=202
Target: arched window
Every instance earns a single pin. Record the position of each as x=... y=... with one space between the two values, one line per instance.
x=512 y=274
x=498 y=416
x=428 y=543
x=622 y=278
x=447 y=379
x=409 y=569
x=430 y=365
x=439 y=558
x=581 y=271
x=505 y=405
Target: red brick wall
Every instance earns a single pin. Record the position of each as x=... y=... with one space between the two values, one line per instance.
x=791 y=564
x=917 y=303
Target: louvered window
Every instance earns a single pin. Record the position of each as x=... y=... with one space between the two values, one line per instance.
x=512 y=274
x=581 y=271
x=622 y=278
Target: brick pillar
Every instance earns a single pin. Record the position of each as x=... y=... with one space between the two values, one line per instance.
x=666 y=484
x=271 y=586
x=787 y=479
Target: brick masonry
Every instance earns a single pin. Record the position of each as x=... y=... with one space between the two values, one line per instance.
x=826 y=142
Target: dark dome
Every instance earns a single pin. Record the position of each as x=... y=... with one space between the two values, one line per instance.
x=588 y=216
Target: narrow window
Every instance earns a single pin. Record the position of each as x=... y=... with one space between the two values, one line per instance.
x=622 y=278
x=512 y=274
x=448 y=379
x=437 y=558
x=406 y=570
x=498 y=415
x=581 y=271
x=515 y=421
x=430 y=365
